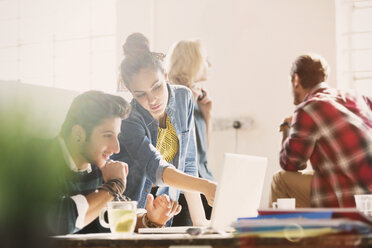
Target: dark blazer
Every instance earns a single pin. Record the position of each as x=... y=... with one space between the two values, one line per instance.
x=62 y=212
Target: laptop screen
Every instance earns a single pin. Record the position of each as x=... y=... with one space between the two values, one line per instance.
x=238 y=193
x=239 y=189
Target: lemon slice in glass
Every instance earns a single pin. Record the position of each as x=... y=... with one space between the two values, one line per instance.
x=125 y=223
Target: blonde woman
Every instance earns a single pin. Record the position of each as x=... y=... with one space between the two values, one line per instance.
x=187 y=64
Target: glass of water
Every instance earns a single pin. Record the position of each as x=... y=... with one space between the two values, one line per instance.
x=364 y=204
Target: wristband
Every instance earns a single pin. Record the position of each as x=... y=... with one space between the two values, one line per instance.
x=148 y=223
x=115 y=187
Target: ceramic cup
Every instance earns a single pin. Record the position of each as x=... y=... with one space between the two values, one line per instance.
x=285 y=203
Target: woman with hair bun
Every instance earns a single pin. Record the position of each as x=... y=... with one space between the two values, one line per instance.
x=158 y=138
x=187 y=64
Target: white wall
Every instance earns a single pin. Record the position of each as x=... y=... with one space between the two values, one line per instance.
x=251 y=45
x=40 y=110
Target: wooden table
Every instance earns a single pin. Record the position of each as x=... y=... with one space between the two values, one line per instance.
x=211 y=240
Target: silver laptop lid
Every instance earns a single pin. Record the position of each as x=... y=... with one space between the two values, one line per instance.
x=239 y=189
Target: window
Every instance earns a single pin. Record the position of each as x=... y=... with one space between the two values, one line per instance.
x=354 y=45
x=66 y=44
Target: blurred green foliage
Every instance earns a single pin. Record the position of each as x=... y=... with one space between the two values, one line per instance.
x=27 y=182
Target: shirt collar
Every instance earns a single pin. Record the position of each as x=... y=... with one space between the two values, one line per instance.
x=171 y=106
x=68 y=159
x=317 y=87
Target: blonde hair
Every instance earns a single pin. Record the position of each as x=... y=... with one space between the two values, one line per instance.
x=184 y=62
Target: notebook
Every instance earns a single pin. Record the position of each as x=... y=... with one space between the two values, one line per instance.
x=238 y=194
x=349 y=213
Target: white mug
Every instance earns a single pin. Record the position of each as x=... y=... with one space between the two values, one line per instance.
x=285 y=203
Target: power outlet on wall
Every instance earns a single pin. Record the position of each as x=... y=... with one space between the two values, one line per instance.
x=237 y=123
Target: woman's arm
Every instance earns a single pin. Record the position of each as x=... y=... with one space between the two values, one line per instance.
x=192 y=186
x=135 y=145
x=180 y=180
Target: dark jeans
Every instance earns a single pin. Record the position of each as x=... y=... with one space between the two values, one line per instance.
x=184 y=218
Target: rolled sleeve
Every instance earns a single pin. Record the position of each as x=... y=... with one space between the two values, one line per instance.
x=159 y=173
x=82 y=206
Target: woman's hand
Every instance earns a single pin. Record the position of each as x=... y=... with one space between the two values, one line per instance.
x=205 y=105
x=161 y=209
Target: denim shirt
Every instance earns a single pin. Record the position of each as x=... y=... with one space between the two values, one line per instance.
x=138 y=145
x=201 y=144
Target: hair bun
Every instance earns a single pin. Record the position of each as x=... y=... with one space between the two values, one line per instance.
x=136 y=45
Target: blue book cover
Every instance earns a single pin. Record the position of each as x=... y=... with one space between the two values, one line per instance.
x=314 y=215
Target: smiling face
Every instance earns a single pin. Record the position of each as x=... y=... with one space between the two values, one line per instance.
x=148 y=87
x=102 y=143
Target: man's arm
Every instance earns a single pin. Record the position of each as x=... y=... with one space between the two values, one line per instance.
x=284 y=128
x=73 y=213
x=96 y=201
x=298 y=142
x=88 y=207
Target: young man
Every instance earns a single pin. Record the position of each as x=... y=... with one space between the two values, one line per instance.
x=331 y=129
x=88 y=179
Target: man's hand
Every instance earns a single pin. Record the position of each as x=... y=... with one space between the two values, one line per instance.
x=115 y=170
x=289 y=119
x=161 y=209
x=209 y=190
x=284 y=128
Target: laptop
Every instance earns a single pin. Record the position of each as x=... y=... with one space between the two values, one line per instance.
x=238 y=194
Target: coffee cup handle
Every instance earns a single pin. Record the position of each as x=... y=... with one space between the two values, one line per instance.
x=102 y=218
x=275 y=205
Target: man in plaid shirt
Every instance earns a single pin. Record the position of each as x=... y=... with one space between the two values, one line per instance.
x=333 y=130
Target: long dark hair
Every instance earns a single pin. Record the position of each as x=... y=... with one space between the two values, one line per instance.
x=137 y=57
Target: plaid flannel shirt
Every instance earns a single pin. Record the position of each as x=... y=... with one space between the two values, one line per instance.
x=334 y=130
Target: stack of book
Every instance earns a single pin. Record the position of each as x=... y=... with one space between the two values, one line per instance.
x=304 y=222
